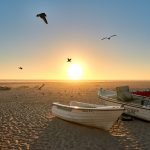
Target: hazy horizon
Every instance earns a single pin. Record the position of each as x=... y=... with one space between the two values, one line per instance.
x=67 y=80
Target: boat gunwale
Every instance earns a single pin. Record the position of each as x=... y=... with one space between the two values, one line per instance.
x=83 y=108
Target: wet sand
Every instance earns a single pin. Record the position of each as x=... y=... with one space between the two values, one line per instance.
x=26 y=121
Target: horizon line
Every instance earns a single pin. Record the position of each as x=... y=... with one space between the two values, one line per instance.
x=68 y=80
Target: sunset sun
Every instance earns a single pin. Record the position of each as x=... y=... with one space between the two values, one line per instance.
x=75 y=71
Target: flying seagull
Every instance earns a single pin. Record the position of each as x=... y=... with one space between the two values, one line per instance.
x=68 y=59
x=20 y=68
x=108 y=38
x=42 y=16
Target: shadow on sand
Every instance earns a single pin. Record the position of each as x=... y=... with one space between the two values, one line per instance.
x=64 y=135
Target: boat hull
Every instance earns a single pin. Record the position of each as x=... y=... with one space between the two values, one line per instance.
x=135 y=110
x=96 y=118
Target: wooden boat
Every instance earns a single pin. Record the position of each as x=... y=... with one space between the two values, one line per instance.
x=135 y=105
x=99 y=116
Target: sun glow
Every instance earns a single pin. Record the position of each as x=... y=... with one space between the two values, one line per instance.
x=75 y=71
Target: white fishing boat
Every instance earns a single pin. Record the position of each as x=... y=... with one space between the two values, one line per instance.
x=135 y=105
x=99 y=116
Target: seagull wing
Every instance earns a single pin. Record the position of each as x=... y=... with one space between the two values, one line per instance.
x=45 y=20
x=104 y=38
x=112 y=35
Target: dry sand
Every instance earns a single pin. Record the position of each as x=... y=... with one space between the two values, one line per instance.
x=26 y=121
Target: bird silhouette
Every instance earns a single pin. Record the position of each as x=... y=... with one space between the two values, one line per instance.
x=20 y=68
x=108 y=38
x=68 y=59
x=42 y=16
x=41 y=86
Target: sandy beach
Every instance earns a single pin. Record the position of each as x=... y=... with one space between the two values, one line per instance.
x=26 y=121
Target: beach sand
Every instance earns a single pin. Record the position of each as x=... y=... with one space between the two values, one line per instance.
x=26 y=121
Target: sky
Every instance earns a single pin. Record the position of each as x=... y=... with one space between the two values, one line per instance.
x=74 y=30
